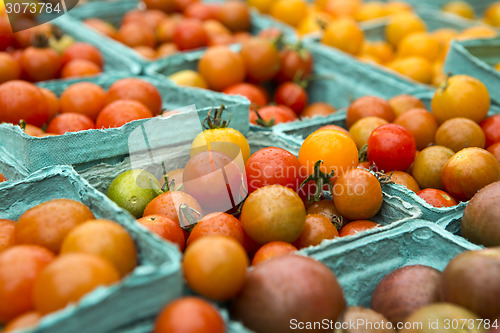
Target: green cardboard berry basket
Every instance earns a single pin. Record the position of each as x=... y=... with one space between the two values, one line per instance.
x=154 y=282
x=100 y=155
x=340 y=78
x=113 y=12
x=477 y=58
x=479 y=6
x=361 y=262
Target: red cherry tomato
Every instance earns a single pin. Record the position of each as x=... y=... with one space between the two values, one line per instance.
x=355 y=227
x=292 y=95
x=202 y=11
x=391 y=147
x=491 y=129
x=189 y=34
x=295 y=65
x=273 y=113
x=254 y=93
x=437 y=198
x=7 y=38
x=270 y=166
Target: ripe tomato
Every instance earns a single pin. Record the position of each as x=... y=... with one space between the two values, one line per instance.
x=403 y=103
x=363 y=128
x=404 y=179
x=138 y=90
x=136 y=34
x=70 y=122
x=271 y=250
x=437 y=198
x=336 y=149
x=221 y=67
x=202 y=11
x=20 y=266
x=254 y=94
x=369 y=106
x=272 y=115
x=318 y=109
x=261 y=58
x=53 y=100
x=215 y=267
x=6 y=229
x=22 y=100
x=217 y=224
x=391 y=147
x=189 y=34
x=24 y=321
x=355 y=227
x=83 y=51
x=167 y=6
x=468 y=171
x=295 y=65
x=79 y=68
x=165 y=29
x=40 y=64
x=273 y=213
x=189 y=314
x=7 y=38
x=289 y=11
x=316 y=229
x=421 y=123
x=495 y=150
x=270 y=166
x=121 y=112
x=358 y=195
x=86 y=98
x=166 y=228
x=214 y=179
x=235 y=15
x=9 y=68
x=102 y=27
x=292 y=95
x=335 y=127
x=491 y=129
x=181 y=5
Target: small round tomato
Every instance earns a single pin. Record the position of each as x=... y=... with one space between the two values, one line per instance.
x=437 y=198
x=369 y=106
x=70 y=122
x=169 y=203
x=327 y=209
x=316 y=229
x=292 y=95
x=7 y=38
x=167 y=6
x=295 y=65
x=86 y=98
x=217 y=224
x=215 y=267
x=273 y=213
x=270 y=166
x=166 y=228
x=202 y=11
x=189 y=314
x=391 y=147
x=336 y=149
x=358 y=195
x=9 y=68
x=235 y=15
x=214 y=179
x=181 y=5
x=83 y=51
x=317 y=109
x=355 y=227
x=40 y=64
x=491 y=129
x=421 y=123
x=271 y=250
x=495 y=150
x=404 y=179
x=23 y=100
x=138 y=90
x=468 y=171
x=261 y=58
x=189 y=34
x=137 y=34
x=121 y=112
x=79 y=68
x=363 y=128
x=252 y=92
x=272 y=115
x=221 y=67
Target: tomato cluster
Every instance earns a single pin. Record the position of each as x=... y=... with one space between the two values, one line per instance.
x=81 y=106
x=40 y=253
x=167 y=27
x=44 y=53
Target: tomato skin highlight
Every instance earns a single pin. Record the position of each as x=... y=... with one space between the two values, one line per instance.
x=292 y=95
x=391 y=147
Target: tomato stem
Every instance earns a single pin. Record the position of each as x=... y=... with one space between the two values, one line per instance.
x=188 y=217
x=320 y=178
x=264 y=123
x=363 y=154
x=22 y=124
x=216 y=121
x=40 y=41
x=383 y=178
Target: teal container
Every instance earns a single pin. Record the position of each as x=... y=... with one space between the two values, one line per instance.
x=479 y=6
x=114 y=62
x=100 y=155
x=360 y=262
x=113 y=12
x=477 y=58
x=143 y=293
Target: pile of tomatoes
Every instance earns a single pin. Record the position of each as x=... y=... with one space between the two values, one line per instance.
x=81 y=106
x=167 y=27
x=264 y=66
x=43 y=53
x=51 y=258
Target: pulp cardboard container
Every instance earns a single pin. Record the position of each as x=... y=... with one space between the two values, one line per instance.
x=479 y=6
x=100 y=155
x=362 y=261
x=141 y=294
x=477 y=58
x=114 y=11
